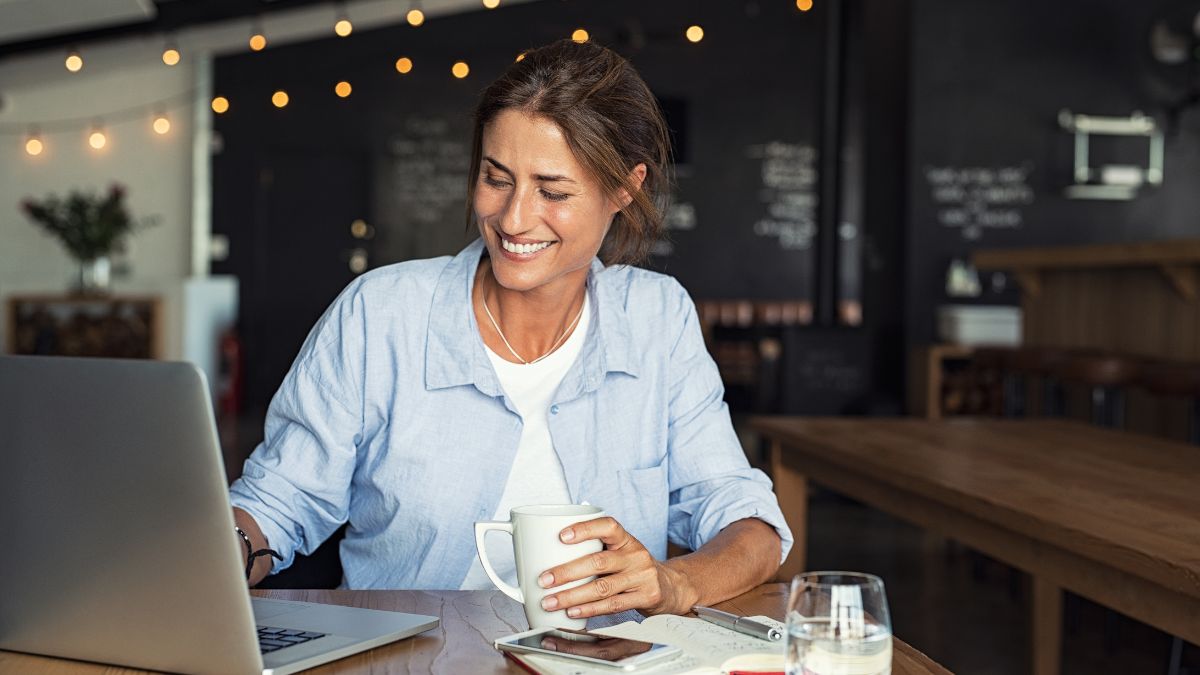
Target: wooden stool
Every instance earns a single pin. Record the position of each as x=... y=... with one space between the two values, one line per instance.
x=1034 y=370
x=1106 y=375
x=1175 y=380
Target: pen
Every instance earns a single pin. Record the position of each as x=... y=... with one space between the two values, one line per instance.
x=738 y=623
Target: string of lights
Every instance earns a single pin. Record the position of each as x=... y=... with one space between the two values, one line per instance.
x=158 y=111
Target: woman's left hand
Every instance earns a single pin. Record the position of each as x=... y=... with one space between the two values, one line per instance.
x=627 y=576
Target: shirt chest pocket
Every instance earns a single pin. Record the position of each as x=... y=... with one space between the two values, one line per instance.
x=644 y=504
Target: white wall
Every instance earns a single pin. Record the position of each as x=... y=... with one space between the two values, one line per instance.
x=156 y=171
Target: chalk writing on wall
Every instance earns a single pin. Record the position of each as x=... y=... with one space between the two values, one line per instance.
x=788 y=190
x=429 y=171
x=977 y=198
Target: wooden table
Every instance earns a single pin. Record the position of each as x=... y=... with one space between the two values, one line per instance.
x=463 y=641
x=1111 y=516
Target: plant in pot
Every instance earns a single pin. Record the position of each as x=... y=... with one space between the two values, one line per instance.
x=91 y=227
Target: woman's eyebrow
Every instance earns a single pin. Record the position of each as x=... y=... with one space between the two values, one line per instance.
x=553 y=179
x=543 y=178
x=500 y=166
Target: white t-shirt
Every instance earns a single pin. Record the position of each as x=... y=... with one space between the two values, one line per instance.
x=537 y=474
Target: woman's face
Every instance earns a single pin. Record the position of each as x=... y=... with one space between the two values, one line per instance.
x=540 y=212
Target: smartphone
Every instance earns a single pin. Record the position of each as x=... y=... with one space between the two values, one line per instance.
x=593 y=648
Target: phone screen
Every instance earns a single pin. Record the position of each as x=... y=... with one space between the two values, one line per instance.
x=588 y=645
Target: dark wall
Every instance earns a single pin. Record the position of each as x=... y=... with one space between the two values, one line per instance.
x=988 y=81
x=746 y=102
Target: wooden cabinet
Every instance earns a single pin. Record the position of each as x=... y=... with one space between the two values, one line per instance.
x=107 y=326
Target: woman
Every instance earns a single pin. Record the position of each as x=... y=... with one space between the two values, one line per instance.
x=436 y=393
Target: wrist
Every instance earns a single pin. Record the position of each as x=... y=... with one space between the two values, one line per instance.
x=680 y=594
x=245 y=539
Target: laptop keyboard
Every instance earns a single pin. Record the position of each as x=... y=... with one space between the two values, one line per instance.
x=271 y=639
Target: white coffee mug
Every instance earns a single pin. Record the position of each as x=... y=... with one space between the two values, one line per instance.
x=537 y=548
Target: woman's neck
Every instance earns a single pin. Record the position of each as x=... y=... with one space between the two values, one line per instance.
x=532 y=321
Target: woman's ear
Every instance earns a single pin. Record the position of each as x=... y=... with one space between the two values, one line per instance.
x=636 y=176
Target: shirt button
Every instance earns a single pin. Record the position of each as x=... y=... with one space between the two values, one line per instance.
x=554 y=410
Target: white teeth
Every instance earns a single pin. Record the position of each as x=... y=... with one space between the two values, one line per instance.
x=523 y=248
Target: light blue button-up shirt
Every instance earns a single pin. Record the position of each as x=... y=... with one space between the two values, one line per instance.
x=393 y=420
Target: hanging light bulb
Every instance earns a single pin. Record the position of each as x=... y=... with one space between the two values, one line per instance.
x=520 y=57
x=170 y=55
x=415 y=16
x=580 y=35
x=220 y=105
x=694 y=33
x=342 y=89
x=74 y=61
x=804 y=5
x=460 y=69
x=162 y=123
x=491 y=4
x=280 y=98
x=342 y=25
x=404 y=65
x=33 y=143
x=97 y=138
x=258 y=38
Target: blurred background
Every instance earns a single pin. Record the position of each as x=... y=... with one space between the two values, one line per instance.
x=868 y=196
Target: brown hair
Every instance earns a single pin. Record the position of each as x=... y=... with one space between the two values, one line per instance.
x=611 y=122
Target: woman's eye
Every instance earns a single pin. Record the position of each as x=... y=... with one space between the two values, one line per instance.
x=494 y=182
x=554 y=196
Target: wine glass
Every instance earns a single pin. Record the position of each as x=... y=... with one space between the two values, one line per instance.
x=838 y=624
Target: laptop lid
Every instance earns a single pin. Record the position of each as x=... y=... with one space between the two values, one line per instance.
x=118 y=542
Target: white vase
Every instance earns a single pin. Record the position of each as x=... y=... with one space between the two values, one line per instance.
x=94 y=276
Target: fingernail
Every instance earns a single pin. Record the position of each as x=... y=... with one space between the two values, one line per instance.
x=546 y=580
x=549 y=602
x=568 y=535
x=574 y=612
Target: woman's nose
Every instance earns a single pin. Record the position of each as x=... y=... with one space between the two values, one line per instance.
x=514 y=218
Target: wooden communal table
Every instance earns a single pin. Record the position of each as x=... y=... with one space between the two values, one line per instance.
x=463 y=641
x=1111 y=516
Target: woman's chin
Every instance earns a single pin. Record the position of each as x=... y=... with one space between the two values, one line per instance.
x=515 y=279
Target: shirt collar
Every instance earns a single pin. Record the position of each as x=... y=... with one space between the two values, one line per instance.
x=454 y=352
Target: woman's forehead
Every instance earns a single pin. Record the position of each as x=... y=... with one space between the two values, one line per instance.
x=522 y=138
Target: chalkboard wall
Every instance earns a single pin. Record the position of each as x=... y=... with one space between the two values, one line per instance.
x=987 y=160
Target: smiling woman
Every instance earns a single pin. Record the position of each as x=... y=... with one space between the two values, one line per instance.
x=538 y=366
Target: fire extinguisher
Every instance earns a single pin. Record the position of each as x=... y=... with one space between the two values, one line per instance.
x=229 y=374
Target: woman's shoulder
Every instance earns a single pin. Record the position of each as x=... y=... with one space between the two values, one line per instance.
x=645 y=292
x=402 y=281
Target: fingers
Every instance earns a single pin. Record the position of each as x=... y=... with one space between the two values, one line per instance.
x=606 y=529
x=634 y=587
x=626 y=574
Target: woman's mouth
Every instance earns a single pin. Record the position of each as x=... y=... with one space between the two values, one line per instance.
x=523 y=249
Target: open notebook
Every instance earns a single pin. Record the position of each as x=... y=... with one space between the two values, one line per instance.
x=707 y=649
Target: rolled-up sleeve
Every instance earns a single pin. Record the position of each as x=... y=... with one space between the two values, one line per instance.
x=712 y=484
x=296 y=483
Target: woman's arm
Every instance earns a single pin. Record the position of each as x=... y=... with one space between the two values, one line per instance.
x=741 y=556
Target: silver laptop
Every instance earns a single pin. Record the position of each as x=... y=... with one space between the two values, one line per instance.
x=116 y=534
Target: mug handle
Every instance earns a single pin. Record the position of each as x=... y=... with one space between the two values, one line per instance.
x=481 y=529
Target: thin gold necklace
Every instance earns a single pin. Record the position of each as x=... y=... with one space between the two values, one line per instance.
x=566 y=331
